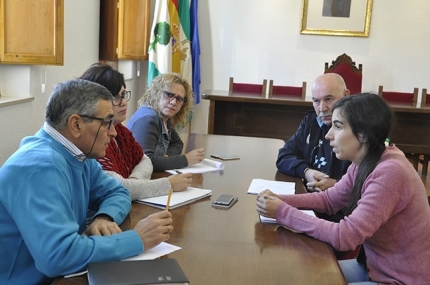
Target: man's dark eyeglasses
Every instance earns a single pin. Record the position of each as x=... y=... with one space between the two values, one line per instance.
x=105 y=121
x=117 y=99
x=170 y=96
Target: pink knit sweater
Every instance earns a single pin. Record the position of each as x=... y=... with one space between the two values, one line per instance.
x=392 y=220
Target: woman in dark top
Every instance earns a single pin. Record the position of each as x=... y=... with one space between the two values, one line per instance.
x=164 y=108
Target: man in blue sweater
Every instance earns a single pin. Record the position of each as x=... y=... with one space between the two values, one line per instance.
x=308 y=154
x=52 y=180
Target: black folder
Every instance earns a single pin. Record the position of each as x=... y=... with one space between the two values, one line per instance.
x=157 y=271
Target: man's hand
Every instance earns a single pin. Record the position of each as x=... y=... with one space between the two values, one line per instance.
x=267 y=202
x=154 y=229
x=318 y=181
x=102 y=226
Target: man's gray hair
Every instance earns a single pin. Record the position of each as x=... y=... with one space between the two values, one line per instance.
x=76 y=96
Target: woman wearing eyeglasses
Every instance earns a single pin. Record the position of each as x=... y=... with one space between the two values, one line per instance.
x=125 y=159
x=163 y=108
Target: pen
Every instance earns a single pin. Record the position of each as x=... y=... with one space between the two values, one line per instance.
x=177 y=171
x=168 y=199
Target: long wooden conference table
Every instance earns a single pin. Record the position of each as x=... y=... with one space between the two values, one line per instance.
x=245 y=114
x=231 y=246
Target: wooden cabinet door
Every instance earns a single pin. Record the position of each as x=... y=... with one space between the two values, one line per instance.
x=32 y=32
x=133 y=29
x=124 y=29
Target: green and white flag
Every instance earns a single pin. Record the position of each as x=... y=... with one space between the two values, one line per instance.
x=160 y=48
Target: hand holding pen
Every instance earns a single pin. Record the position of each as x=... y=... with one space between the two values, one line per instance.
x=154 y=229
x=195 y=156
x=180 y=181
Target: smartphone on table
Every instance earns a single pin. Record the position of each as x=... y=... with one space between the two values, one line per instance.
x=224 y=201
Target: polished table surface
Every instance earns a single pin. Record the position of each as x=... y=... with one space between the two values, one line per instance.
x=231 y=246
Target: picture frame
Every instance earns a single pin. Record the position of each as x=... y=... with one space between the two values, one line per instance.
x=336 y=17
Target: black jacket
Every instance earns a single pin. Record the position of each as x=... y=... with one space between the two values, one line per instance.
x=297 y=153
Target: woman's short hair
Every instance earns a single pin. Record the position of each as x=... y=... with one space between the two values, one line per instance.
x=75 y=96
x=154 y=93
x=105 y=75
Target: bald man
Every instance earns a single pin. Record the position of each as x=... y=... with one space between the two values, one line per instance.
x=307 y=154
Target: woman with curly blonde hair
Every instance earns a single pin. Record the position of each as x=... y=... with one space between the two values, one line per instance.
x=165 y=107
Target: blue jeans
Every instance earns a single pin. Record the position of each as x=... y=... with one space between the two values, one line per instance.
x=354 y=272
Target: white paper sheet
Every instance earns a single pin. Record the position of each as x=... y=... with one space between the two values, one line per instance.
x=207 y=165
x=277 y=187
x=155 y=252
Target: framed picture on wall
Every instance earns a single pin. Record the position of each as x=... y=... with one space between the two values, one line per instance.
x=336 y=17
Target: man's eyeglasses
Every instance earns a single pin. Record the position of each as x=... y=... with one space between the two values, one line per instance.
x=117 y=99
x=170 y=96
x=105 y=121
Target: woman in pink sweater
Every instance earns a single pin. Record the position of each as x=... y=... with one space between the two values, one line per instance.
x=388 y=211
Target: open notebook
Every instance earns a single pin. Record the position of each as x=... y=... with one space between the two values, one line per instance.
x=178 y=198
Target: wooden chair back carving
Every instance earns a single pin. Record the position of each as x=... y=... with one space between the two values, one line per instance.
x=258 y=89
x=425 y=98
x=399 y=97
x=345 y=67
x=287 y=91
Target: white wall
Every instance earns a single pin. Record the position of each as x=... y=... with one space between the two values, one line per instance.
x=250 y=40
x=81 y=41
x=253 y=40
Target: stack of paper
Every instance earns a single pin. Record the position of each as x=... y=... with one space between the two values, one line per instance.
x=273 y=221
x=178 y=198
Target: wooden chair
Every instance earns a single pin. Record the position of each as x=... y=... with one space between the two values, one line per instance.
x=287 y=91
x=411 y=152
x=425 y=98
x=258 y=89
x=423 y=158
x=399 y=97
x=417 y=158
x=345 y=67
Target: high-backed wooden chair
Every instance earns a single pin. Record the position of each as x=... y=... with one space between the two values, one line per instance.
x=345 y=67
x=425 y=99
x=258 y=89
x=399 y=97
x=287 y=91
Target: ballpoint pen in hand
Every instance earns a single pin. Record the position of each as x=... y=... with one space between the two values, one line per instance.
x=177 y=171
